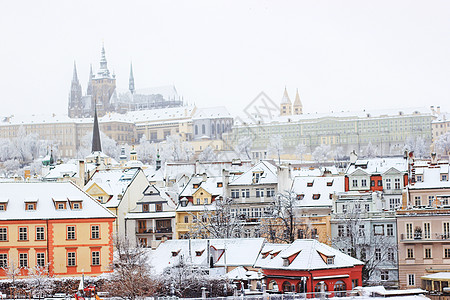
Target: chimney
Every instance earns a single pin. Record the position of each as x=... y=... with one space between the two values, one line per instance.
x=433 y=112
x=204 y=177
x=433 y=158
x=81 y=173
x=438 y=110
x=353 y=157
x=225 y=177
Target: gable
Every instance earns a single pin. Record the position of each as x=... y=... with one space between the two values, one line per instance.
x=392 y=171
x=359 y=172
x=95 y=190
x=201 y=192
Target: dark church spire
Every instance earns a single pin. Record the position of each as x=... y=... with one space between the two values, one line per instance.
x=103 y=71
x=96 y=144
x=131 y=81
x=75 y=75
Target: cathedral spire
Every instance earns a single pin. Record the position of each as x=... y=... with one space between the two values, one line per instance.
x=298 y=106
x=131 y=81
x=96 y=143
x=89 y=87
x=75 y=75
x=103 y=72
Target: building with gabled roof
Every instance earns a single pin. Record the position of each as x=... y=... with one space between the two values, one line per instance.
x=304 y=264
x=118 y=190
x=56 y=226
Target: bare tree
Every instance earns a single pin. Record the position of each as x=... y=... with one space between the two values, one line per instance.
x=375 y=250
x=218 y=222
x=207 y=154
x=244 y=147
x=12 y=272
x=281 y=222
x=131 y=273
x=40 y=282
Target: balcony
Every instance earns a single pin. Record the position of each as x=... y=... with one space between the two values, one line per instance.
x=144 y=230
x=163 y=230
x=420 y=238
x=156 y=230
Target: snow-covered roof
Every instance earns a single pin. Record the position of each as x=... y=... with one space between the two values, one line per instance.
x=195 y=252
x=241 y=273
x=342 y=116
x=379 y=165
x=309 y=255
x=309 y=188
x=440 y=275
x=212 y=113
x=209 y=184
x=167 y=91
x=267 y=171
x=312 y=171
x=69 y=169
x=431 y=178
x=46 y=193
x=112 y=182
x=443 y=117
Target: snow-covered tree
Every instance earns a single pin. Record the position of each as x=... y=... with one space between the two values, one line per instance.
x=109 y=146
x=131 y=277
x=275 y=146
x=39 y=282
x=373 y=249
x=322 y=153
x=443 y=143
x=339 y=153
x=243 y=147
x=370 y=151
x=207 y=155
x=185 y=281
x=300 y=150
x=146 y=150
x=12 y=271
x=217 y=223
x=417 y=145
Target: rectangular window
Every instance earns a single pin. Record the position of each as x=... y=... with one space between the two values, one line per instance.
x=426 y=230
x=410 y=253
x=363 y=182
x=427 y=252
x=186 y=219
x=367 y=207
x=397 y=183
x=71 y=259
x=417 y=200
x=40 y=233
x=378 y=229
x=40 y=259
x=390 y=229
x=411 y=279
x=341 y=230
x=447 y=253
x=409 y=231
x=388 y=183
x=355 y=182
x=430 y=201
x=95 y=232
x=384 y=275
x=95 y=258
x=377 y=254
x=390 y=254
x=158 y=207
x=3 y=260
x=245 y=193
x=446 y=228
x=235 y=193
x=380 y=182
x=270 y=192
x=23 y=233
x=23 y=260
x=70 y=232
x=145 y=207
x=3 y=234
x=344 y=208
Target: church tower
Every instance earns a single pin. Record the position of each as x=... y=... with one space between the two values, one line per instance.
x=298 y=106
x=285 y=105
x=103 y=87
x=131 y=81
x=89 y=87
x=75 y=102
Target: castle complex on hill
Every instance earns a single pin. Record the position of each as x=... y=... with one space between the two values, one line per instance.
x=101 y=91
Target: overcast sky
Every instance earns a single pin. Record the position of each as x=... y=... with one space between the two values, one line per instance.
x=341 y=55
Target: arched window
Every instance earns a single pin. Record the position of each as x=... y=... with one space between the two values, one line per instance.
x=203 y=129
x=213 y=129
x=287 y=287
x=339 y=288
x=196 y=129
x=273 y=286
x=318 y=286
x=223 y=127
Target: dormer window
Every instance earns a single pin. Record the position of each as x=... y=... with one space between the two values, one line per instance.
x=219 y=184
x=175 y=253
x=330 y=183
x=145 y=207
x=300 y=196
x=256 y=177
x=330 y=260
x=195 y=185
x=285 y=262
x=30 y=206
x=419 y=178
x=444 y=177
x=2 y=206
x=316 y=196
x=199 y=252
x=310 y=184
x=75 y=205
